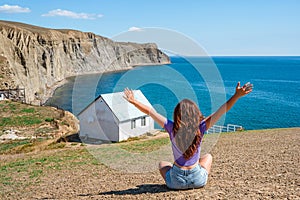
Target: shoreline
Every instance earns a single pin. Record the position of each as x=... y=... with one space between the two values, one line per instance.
x=51 y=89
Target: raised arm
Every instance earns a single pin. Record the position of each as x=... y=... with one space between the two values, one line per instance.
x=129 y=96
x=239 y=92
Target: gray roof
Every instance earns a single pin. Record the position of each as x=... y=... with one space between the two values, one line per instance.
x=121 y=108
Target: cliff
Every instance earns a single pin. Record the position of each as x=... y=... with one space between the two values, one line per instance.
x=38 y=59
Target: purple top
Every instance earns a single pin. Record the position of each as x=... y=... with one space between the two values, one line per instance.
x=178 y=155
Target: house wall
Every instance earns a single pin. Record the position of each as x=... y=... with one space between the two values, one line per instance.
x=98 y=122
x=126 y=131
x=107 y=120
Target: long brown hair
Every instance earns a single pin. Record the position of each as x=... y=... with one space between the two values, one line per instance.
x=187 y=118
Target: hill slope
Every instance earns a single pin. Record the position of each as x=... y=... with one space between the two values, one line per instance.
x=247 y=165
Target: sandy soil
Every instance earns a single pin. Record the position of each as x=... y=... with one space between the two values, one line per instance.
x=249 y=165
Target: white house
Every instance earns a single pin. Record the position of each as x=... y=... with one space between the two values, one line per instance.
x=110 y=117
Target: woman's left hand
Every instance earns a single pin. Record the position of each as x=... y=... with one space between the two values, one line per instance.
x=241 y=91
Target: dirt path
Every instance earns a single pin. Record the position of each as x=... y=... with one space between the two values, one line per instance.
x=248 y=165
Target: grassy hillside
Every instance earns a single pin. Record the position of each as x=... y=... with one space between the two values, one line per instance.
x=33 y=126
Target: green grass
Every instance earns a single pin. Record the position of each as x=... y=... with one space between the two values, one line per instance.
x=28 y=110
x=19 y=146
x=12 y=106
x=7 y=181
x=20 y=120
x=5 y=147
x=60 y=160
x=35 y=173
x=32 y=168
x=49 y=119
x=144 y=146
x=18 y=114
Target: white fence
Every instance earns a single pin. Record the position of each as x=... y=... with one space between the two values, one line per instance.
x=17 y=94
x=228 y=128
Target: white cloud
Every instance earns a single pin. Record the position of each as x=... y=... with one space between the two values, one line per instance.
x=70 y=14
x=135 y=29
x=13 y=9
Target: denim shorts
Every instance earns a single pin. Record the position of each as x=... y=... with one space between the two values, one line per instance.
x=177 y=178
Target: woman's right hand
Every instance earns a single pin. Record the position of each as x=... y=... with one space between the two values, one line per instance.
x=128 y=95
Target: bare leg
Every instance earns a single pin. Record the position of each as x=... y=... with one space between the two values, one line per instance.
x=163 y=167
x=206 y=162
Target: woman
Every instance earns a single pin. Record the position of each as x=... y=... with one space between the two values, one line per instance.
x=186 y=133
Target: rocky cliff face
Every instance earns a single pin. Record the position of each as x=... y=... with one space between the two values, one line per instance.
x=38 y=58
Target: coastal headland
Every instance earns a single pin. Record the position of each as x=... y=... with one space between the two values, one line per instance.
x=39 y=59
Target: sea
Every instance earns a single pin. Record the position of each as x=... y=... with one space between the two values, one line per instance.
x=208 y=81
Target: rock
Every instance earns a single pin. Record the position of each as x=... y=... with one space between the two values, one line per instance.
x=11 y=136
x=39 y=59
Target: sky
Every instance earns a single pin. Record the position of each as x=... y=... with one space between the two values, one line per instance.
x=220 y=27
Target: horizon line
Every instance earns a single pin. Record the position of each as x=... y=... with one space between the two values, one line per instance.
x=234 y=55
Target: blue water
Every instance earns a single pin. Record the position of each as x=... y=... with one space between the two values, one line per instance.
x=274 y=102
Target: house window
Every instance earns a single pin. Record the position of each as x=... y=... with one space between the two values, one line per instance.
x=143 y=121
x=133 y=124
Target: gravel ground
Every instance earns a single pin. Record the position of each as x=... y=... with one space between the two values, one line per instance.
x=261 y=164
